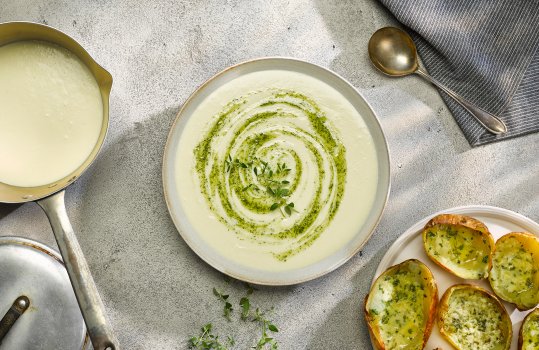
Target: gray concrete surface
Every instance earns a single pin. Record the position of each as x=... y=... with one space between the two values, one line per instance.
x=158 y=292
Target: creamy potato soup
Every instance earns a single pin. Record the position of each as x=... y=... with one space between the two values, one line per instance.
x=51 y=113
x=276 y=170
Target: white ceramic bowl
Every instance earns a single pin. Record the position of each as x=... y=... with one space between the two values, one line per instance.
x=250 y=274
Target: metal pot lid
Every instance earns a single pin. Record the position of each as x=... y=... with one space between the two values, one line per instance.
x=53 y=319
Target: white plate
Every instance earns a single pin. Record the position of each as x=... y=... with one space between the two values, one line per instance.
x=250 y=274
x=410 y=245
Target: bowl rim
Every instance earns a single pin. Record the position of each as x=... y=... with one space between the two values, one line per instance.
x=267 y=282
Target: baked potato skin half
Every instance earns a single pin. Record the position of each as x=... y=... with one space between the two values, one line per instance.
x=514 y=275
x=459 y=244
x=528 y=337
x=470 y=318
x=402 y=303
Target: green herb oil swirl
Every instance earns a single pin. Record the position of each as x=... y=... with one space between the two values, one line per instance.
x=272 y=169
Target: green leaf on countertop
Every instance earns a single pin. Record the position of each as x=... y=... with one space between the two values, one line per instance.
x=250 y=289
x=227 y=308
x=266 y=325
x=231 y=340
x=273 y=328
x=245 y=307
x=207 y=340
x=220 y=295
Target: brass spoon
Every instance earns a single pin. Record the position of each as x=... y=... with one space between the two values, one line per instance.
x=393 y=52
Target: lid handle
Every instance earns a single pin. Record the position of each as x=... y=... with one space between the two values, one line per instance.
x=20 y=305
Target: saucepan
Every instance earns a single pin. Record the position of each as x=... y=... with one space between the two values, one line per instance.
x=51 y=196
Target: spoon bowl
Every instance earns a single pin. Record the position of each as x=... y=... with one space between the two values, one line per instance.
x=393 y=52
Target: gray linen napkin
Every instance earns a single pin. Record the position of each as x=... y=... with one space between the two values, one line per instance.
x=487 y=51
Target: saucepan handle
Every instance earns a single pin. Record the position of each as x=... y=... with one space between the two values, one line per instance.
x=90 y=303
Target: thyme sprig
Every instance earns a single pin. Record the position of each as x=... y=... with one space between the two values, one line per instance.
x=245 y=307
x=227 y=308
x=273 y=181
x=207 y=340
x=266 y=326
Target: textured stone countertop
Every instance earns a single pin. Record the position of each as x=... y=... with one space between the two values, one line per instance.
x=156 y=290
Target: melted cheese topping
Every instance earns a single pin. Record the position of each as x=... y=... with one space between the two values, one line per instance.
x=462 y=250
x=530 y=332
x=475 y=321
x=399 y=303
x=514 y=274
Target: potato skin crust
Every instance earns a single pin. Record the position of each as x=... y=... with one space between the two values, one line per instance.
x=443 y=307
x=374 y=333
x=530 y=242
x=457 y=220
x=520 y=335
x=375 y=336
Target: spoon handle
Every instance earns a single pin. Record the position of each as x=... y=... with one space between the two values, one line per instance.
x=489 y=121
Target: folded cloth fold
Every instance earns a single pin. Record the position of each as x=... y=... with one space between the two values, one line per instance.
x=485 y=50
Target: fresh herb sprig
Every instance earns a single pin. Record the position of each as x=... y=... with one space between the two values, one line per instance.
x=266 y=326
x=250 y=289
x=271 y=179
x=249 y=186
x=265 y=341
x=229 y=164
x=227 y=308
x=207 y=340
x=245 y=307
